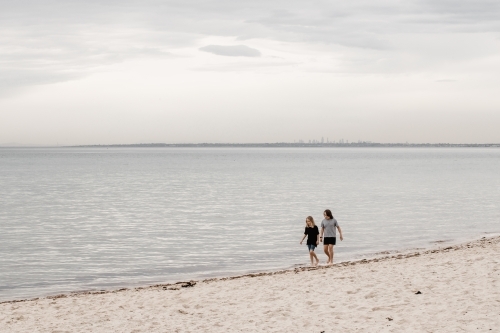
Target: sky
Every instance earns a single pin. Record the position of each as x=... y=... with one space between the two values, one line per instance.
x=77 y=72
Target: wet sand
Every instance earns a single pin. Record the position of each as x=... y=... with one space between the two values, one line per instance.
x=446 y=289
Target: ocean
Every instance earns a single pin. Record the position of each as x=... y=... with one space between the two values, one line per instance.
x=74 y=219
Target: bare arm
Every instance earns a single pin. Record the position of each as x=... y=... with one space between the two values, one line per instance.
x=340 y=233
x=321 y=234
x=302 y=239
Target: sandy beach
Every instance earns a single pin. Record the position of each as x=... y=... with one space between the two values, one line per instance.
x=446 y=289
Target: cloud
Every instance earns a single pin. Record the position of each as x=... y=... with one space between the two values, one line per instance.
x=51 y=54
x=77 y=36
x=12 y=80
x=231 y=50
x=239 y=67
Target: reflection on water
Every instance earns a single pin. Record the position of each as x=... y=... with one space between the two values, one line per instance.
x=74 y=219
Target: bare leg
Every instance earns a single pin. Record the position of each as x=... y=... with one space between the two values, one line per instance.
x=311 y=254
x=315 y=257
x=330 y=254
x=325 y=248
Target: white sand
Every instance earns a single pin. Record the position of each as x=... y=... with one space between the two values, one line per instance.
x=460 y=292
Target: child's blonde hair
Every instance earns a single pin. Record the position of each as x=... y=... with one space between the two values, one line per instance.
x=310 y=219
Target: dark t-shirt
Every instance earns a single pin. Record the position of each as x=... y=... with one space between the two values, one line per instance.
x=312 y=235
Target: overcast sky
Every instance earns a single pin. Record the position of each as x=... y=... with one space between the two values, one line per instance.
x=103 y=72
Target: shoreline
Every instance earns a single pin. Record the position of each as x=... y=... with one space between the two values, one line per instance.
x=454 y=288
x=437 y=247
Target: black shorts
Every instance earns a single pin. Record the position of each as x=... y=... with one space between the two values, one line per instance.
x=329 y=240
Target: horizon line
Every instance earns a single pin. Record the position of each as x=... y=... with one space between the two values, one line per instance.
x=267 y=144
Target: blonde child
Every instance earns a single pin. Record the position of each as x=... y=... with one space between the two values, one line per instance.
x=312 y=233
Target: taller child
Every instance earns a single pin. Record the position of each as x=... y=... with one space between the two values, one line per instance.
x=328 y=228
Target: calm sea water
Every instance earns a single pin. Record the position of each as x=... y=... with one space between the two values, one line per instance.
x=79 y=219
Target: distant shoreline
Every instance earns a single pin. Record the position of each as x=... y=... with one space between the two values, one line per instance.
x=271 y=145
x=290 y=145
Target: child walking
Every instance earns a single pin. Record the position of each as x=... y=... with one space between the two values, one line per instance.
x=328 y=226
x=312 y=233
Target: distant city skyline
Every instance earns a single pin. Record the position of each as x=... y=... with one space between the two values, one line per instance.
x=83 y=73
x=322 y=140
